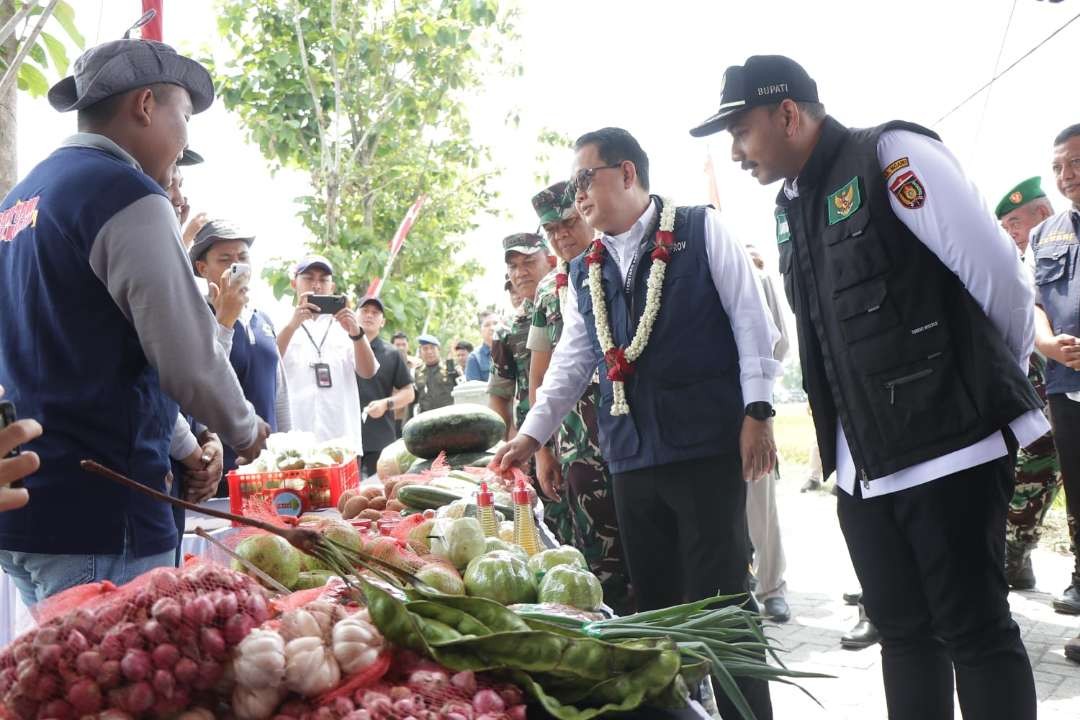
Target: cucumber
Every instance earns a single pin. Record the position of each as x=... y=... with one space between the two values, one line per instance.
x=425 y=497
x=453 y=429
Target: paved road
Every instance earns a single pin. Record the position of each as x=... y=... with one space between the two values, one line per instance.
x=819 y=571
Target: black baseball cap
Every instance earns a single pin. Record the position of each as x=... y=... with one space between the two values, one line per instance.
x=761 y=80
x=372 y=300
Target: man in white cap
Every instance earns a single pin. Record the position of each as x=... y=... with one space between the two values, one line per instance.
x=107 y=333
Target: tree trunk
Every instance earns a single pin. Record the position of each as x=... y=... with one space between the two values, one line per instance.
x=9 y=168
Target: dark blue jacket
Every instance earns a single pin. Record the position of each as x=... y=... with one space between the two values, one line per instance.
x=1056 y=254
x=685 y=398
x=70 y=359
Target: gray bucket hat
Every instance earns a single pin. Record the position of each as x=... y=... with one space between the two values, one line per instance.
x=121 y=65
x=213 y=231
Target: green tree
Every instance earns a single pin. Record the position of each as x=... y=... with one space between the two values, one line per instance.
x=28 y=55
x=367 y=96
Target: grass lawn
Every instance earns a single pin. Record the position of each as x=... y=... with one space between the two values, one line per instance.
x=794 y=431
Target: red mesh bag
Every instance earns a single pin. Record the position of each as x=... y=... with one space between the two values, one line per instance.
x=403 y=685
x=153 y=647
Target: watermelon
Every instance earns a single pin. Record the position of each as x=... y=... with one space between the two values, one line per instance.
x=453 y=429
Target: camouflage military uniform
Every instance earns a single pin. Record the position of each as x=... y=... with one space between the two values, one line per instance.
x=510 y=362
x=590 y=514
x=1038 y=479
x=434 y=385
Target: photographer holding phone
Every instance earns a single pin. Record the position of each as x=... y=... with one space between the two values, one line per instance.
x=324 y=349
x=221 y=255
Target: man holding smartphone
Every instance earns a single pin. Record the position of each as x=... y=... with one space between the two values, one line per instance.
x=324 y=350
x=221 y=256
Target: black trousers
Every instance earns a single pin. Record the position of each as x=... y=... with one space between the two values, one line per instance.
x=683 y=529
x=1065 y=417
x=368 y=461
x=931 y=562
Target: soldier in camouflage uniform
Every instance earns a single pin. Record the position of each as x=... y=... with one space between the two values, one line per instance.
x=1037 y=470
x=435 y=380
x=580 y=475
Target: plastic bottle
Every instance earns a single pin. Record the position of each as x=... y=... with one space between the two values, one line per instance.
x=524 y=524
x=485 y=511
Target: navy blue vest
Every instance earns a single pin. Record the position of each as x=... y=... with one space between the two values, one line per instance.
x=255 y=360
x=1057 y=252
x=71 y=360
x=685 y=397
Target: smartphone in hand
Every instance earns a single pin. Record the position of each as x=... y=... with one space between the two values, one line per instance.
x=328 y=304
x=239 y=275
x=7 y=417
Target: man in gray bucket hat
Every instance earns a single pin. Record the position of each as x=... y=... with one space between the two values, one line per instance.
x=105 y=335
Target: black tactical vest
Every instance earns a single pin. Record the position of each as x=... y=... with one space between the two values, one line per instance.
x=890 y=341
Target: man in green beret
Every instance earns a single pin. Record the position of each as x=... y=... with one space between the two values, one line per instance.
x=575 y=473
x=1037 y=470
x=1022 y=208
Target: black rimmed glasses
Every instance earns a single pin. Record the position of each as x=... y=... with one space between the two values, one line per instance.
x=582 y=180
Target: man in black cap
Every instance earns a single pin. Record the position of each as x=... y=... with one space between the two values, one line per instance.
x=118 y=334
x=435 y=379
x=915 y=327
x=380 y=395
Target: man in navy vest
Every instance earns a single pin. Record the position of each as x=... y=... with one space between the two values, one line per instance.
x=698 y=423
x=914 y=328
x=107 y=332
x=1057 y=321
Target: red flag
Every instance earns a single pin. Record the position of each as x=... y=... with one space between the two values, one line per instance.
x=396 y=243
x=153 y=29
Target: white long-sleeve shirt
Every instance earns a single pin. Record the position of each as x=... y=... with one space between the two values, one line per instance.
x=572 y=363
x=955 y=223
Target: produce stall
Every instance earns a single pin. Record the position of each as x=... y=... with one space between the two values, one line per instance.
x=422 y=595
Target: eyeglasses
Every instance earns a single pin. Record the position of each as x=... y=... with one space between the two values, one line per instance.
x=582 y=180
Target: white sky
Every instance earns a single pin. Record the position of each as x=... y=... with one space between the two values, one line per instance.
x=654 y=69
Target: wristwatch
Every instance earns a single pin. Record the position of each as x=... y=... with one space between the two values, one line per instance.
x=760 y=410
x=389 y=403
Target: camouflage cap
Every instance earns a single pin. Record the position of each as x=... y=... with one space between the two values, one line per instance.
x=524 y=243
x=1019 y=196
x=554 y=203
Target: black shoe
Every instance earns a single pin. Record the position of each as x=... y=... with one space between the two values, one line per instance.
x=1018 y=570
x=1072 y=649
x=853 y=598
x=863 y=635
x=1069 y=602
x=776 y=609
x=810 y=484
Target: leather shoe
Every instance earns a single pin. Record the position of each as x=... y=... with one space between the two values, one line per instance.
x=863 y=635
x=1072 y=649
x=853 y=598
x=1018 y=570
x=1069 y=602
x=777 y=610
x=811 y=484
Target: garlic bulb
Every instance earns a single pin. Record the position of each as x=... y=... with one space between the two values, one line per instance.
x=310 y=667
x=260 y=660
x=356 y=644
x=299 y=623
x=256 y=703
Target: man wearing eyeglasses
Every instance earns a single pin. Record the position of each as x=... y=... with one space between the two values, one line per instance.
x=575 y=473
x=696 y=425
x=1057 y=336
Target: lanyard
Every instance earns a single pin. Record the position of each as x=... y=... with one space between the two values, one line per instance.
x=318 y=348
x=642 y=244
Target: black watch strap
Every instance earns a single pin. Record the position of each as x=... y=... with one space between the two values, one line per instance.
x=356 y=338
x=760 y=410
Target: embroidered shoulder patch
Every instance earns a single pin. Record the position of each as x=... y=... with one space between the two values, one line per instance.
x=783 y=233
x=844 y=201
x=909 y=190
x=894 y=166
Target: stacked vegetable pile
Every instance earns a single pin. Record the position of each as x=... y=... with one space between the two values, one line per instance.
x=156 y=646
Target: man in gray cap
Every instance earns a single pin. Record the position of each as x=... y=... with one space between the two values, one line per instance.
x=220 y=255
x=119 y=337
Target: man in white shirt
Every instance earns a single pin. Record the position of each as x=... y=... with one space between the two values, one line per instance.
x=915 y=327
x=681 y=431
x=323 y=353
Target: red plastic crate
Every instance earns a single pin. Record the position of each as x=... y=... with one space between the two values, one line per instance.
x=293 y=492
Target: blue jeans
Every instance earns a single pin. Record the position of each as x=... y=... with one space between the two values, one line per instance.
x=39 y=575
